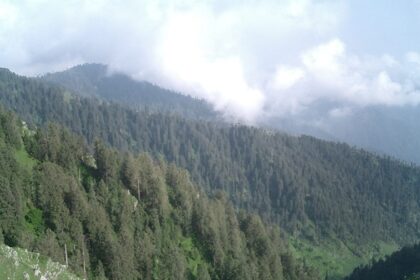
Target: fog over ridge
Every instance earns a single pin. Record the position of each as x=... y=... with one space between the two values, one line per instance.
x=250 y=59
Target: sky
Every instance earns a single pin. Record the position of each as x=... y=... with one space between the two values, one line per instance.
x=250 y=59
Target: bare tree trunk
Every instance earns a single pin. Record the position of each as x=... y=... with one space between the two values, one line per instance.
x=84 y=262
x=65 y=254
x=138 y=190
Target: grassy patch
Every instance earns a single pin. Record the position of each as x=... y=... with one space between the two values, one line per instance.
x=34 y=222
x=193 y=255
x=16 y=263
x=334 y=259
x=24 y=159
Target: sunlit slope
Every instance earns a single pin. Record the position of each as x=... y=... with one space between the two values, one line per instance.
x=17 y=263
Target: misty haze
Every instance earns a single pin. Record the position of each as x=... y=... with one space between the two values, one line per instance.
x=210 y=139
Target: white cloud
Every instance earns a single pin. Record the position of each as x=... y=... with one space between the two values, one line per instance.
x=413 y=57
x=333 y=75
x=325 y=58
x=214 y=49
x=340 y=112
x=187 y=57
x=389 y=61
x=248 y=58
x=286 y=77
x=8 y=14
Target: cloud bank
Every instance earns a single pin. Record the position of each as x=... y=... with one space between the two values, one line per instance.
x=248 y=58
x=328 y=72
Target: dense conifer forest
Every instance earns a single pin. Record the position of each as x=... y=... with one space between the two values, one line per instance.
x=96 y=81
x=295 y=181
x=124 y=216
x=403 y=264
x=314 y=190
x=209 y=139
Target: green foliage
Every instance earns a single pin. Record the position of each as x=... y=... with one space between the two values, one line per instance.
x=24 y=159
x=10 y=129
x=414 y=277
x=94 y=80
x=10 y=212
x=194 y=257
x=316 y=191
x=128 y=217
x=403 y=264
x=334 y=258
x=34 y=221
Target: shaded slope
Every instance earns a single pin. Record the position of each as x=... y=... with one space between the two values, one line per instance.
x=94 y=80
x=403 y=264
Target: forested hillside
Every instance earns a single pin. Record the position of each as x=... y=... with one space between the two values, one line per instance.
x=124 y=216
x=317 y=191
x=95 y=81
x=401 y=265
x=389 y=130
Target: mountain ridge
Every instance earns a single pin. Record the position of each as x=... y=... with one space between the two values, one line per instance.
x=386 y=130
x=96 y=80
x=315 y=190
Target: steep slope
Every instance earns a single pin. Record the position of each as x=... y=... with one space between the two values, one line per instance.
x=95 y=80
x=120 y=216
x=16 y=263
x=328 y=194
x=403 y=264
